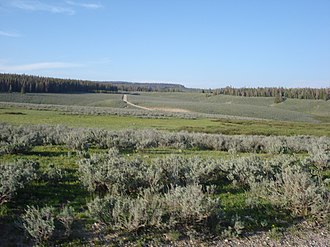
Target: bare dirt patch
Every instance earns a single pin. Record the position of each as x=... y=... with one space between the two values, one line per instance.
x=169 y=109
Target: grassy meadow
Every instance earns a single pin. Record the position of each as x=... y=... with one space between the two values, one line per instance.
x=254 y=107
x=20 y=116
x=105 y=179
x=292 y=117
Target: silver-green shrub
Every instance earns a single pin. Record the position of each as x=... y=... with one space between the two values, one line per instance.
x=78 y=140
x=251 y=170
x=320 y=155
x=172 y=170
x=101 y=209
x=112 y=173
x=14 y=176
x=295 y=189
x=245 y=170
x=186 y=205
x=190 y=204
x=124 y=212
x=53 y=174
x=117 y=174
x=180 y=171
x=66 y=217
x=17 y=144
x=20 y=139
x=39 y=223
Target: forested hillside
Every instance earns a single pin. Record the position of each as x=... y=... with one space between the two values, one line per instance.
x=148 y=87
x=37 y=84
x=279 y=92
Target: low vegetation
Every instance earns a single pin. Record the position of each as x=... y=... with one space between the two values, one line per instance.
x=90 y=170
x=188 y=105
x=231 y=126
x=14 y=176
x=62 y=185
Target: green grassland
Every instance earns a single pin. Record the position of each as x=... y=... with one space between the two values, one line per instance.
x=256 y=107
x=69 y=190
x=20 y=116
x=84 y=99
x=252 y=107
x=41 y=193
x=292 y=117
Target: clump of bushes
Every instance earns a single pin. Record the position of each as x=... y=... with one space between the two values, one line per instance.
x=296 y=189
x=185 y=205
x=173 y=191
x=18 y=144
x=190 y=203
x=41 y=223
x=320 y=155
x=137 y=194
x=249 y=170
x=111 y=173
x=66 y=218
x=15 y=139
x=125 y=212
x=53 y=174
x=114 y=174
x=14 y=176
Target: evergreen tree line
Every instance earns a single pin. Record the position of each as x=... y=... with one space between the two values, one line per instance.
x=148 y=87
x=37 y=84
x=280 y=93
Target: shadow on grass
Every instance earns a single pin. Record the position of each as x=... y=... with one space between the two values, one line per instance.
x=256 y=215
x=46 y=194
x=151 y=236
x=13 y=113
x=48 y=153
x=162 y=151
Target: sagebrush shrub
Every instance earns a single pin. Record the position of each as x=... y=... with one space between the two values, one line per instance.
x=244 y=170
x=17 y=145
x=53 y=174
x=78 y=140
x=112 y=173
x=186 y=205
x=296 y=190
x=20 y=139
x=14 y=176
x=250 y=170
x=124 y=212
x=180 y=171
x=66 y=217
x=190 y=204
x=320 y=155
x=172 y=170
x=39 y=223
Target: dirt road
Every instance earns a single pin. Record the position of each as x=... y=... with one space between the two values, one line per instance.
x=125 y=99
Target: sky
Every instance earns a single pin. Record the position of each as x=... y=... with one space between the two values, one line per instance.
x=197 y=43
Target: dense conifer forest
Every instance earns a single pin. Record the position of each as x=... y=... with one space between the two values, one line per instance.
x=38 y=84
x=279 y=92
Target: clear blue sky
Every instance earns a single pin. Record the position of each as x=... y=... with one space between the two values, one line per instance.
x=199 y=43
